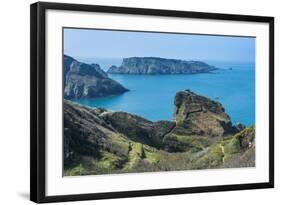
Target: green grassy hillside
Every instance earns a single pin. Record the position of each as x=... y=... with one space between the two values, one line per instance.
x=97 y=141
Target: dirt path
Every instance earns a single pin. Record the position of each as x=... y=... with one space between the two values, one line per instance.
x=222 y=150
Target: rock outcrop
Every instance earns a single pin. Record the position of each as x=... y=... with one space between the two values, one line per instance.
x=198 y=115
x=154 y=65
x=82 y=80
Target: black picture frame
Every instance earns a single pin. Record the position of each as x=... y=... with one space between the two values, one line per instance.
x=38 y=101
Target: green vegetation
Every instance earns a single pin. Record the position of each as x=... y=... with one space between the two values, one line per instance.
x=78 y=169
x=151 y=156
x=232 y=146
x=195 y=143
x=135 y=154
x=213 y=158
x=97 y=141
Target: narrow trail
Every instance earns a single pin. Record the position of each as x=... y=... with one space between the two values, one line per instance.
x=133 y=156
x=171 y=130
x=222 y=150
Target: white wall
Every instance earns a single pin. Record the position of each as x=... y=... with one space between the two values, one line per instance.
x=14 y=103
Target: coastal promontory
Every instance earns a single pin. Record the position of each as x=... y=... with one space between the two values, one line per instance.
x=156 y=65
x=83 y=80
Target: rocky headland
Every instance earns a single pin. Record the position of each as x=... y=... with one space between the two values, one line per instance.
x=155 y=65
x=83 y=80
x=201 y=136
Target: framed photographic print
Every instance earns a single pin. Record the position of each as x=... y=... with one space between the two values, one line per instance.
x=129 y=102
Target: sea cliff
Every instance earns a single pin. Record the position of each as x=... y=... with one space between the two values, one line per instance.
x=155 y=65
x=83 y=80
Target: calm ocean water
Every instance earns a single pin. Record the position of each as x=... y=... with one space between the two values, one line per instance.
x=151 y=96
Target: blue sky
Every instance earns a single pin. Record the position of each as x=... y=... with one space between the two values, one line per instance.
x=91 y=43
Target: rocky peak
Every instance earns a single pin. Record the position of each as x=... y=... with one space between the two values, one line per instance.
x=74 y=66
x=83 y=80
x=198 y=115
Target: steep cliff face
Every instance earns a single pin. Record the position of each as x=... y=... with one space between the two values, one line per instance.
x=153 y=65
x=82 y=80
x=198 y=115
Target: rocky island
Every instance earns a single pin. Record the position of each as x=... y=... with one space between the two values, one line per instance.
x=83 y=80
x=155 y=65
x=201 y=136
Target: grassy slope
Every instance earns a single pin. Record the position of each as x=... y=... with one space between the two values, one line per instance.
x=135 y=157
x=119 y=154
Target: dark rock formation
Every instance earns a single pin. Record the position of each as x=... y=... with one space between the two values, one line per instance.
x=87 y=134
x=239 y=127
x=82 y=80
x=197 y=120
x=133 y=126
x=153 y=65
x=198 y=115
x=138 y=128
x=81 y=134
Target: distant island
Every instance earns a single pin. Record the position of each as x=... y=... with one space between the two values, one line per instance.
x=83 y=80
x=155 y=65
x=201 y=136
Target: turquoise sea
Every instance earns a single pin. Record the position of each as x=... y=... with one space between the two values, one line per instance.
x=151 y=96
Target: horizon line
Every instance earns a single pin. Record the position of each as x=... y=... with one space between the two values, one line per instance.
x=175 y=58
